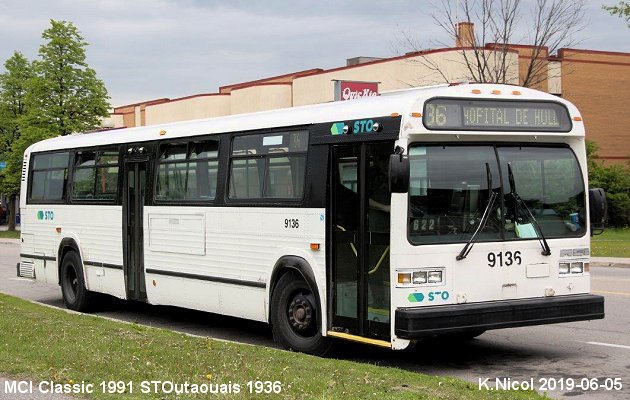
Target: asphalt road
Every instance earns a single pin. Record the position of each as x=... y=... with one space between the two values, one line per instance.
x=554 y=354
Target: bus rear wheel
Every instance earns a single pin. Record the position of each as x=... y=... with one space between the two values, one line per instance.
x=295 y=316
x=75 y=296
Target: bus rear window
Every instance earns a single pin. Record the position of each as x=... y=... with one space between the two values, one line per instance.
x=49 y=176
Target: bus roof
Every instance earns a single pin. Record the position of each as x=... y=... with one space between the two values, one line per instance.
x=400 y=102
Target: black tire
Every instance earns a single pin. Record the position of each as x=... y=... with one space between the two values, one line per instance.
x=295 y=316
x=75 y=296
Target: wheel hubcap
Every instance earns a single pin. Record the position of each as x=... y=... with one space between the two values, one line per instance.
x=300 y=313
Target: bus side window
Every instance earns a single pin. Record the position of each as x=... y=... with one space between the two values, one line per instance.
x=188 y=171
x=95 y=175
x=49 y=175
x=269 y=166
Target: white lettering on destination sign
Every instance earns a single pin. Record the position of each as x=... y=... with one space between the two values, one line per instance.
x=349 y=94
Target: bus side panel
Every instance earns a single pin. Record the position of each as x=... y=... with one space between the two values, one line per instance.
x=97 y=231
x=40 y=240
x=106 y=280
x=220 y=259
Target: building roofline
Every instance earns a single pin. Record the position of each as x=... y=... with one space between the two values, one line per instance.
x=402 y=57
x=518 y=46
x=320 y=71
x=602 y=52
x=146 y=103
x=263 y=80
x=192 y=96
x=262 y=84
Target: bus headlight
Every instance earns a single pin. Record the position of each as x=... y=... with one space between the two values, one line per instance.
x=419 y=277
x=564 y=268
x=577 y=267
x=435 y=276
x=404 y=278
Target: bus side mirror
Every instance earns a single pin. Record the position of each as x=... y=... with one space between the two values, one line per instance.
x=598 y=210
x=398 y=173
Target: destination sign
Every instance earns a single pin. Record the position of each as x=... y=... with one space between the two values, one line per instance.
x=494 y=115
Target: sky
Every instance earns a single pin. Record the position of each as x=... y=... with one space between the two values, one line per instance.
x=150 y=49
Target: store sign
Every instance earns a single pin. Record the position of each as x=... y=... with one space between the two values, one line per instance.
x=351 y=90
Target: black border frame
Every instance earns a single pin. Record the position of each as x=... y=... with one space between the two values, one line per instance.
x=67 y=187
x=495 y=145
x=153 y=200
x=495 y=129
x=266 y=201
x=96 y=149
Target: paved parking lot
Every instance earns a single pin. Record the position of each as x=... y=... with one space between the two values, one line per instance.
x=580 y=350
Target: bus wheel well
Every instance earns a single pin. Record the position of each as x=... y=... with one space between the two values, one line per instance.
x=297 y=264
x=295 y=311
x=66 y=245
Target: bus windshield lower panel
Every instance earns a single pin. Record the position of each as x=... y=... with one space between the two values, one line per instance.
x=452 y=184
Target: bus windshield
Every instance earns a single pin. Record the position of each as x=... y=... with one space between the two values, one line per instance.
x=451 y=186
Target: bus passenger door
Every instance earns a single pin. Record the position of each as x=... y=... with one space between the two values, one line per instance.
x=360 y=201
x=134 y=197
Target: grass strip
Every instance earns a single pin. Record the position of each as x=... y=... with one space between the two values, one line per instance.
x=611 y=243
x=9 y=234
x=44 y=344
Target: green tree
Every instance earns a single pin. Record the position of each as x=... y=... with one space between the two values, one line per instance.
x=13 y=88
x=65 y=96
x=61 y=95
x=622 y=10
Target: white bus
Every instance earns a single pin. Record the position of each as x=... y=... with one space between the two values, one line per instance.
x=445 y=210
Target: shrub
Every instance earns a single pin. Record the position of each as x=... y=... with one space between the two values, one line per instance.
x=615 y=180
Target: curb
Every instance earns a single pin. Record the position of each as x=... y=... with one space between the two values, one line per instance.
x=616 y=262
x=612 y=264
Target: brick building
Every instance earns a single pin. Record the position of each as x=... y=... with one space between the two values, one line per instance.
x=598 y=82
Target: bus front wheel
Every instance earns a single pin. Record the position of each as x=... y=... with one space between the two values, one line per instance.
x=295 y=316
x=75 y=296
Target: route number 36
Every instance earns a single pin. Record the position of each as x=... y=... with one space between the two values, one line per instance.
x=504 y=259
x=435 y=115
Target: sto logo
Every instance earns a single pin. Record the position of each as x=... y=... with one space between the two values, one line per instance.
x=430 y=297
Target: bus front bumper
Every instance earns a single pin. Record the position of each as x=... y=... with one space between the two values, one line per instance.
x=418 y=322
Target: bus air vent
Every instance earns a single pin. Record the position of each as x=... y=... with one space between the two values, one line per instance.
x=27 y=269
x=24 y=169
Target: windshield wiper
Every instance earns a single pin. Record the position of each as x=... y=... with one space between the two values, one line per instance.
x=484 y=218
x=541 y=238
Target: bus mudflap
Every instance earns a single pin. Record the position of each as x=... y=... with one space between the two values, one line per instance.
x=418 y=322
